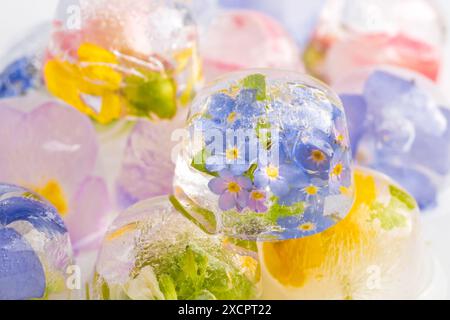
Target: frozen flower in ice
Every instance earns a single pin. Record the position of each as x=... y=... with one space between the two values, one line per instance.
x=233 y=190
x=52 y=150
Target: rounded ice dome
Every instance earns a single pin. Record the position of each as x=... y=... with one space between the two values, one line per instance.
x=35 y=250
x=115 y=59
x=354 y=34
x=375 y=253
x=152 y=252
x=399 y=124
x=266 y=157
x=244 y=39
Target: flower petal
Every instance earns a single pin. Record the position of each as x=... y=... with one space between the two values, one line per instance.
x=419 y=185
x=294 y=176
x=217 y=186
x=21 y=273
x=382 y=88
x=147 y=168
x=279 y=187
x=87 y=222
x=242 y=199
x=227 y=202
x=244 y=182
x=356 y=112
x=227 y=175
x=221 y=105
x=56 y=143
x=41 y=215
x=261 y=179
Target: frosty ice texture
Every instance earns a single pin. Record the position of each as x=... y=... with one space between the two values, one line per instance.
x=152 y=252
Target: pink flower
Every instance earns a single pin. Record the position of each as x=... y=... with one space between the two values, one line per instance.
x=53 y=150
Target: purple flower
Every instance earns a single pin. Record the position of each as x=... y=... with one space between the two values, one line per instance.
x=234 y=191
x=396 y=121
x=356 y=113
x=147 y=167
x=53 y=150
x=257 y=201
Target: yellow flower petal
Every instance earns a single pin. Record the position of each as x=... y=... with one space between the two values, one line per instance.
x=89 y=52
x=54 y=194
x=293 y=263
x=80 y=87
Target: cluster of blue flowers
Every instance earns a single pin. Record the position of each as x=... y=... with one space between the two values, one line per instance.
x=302 y=154
x=18 y=78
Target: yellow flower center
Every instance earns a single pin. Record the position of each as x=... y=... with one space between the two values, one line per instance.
x=273 y=172
x=309 y=226
x=232 y=117
x=337 y=170
x=233 y=187
x=257 y=196
x=54 y=194
x=311 y=190
x=340 y=139
x=232 y=154
x=318 y=156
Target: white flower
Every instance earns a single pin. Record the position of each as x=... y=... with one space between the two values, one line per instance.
x=144 y=287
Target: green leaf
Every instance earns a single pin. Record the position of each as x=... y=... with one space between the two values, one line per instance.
x=87 y=291
x=388 y=216
x=199 y=163
x=251 y=172
x=256 y=82
x=278 y=211
x=263 y=133
x=167 y=287
x=188 y=265
x=244 y=244
x=193 y=213
x=202 y=271
x=151 y=94
x=203 y=295
x=404 y=197
x=105 y=291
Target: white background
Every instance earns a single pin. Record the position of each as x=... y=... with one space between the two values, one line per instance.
x=19 y=17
